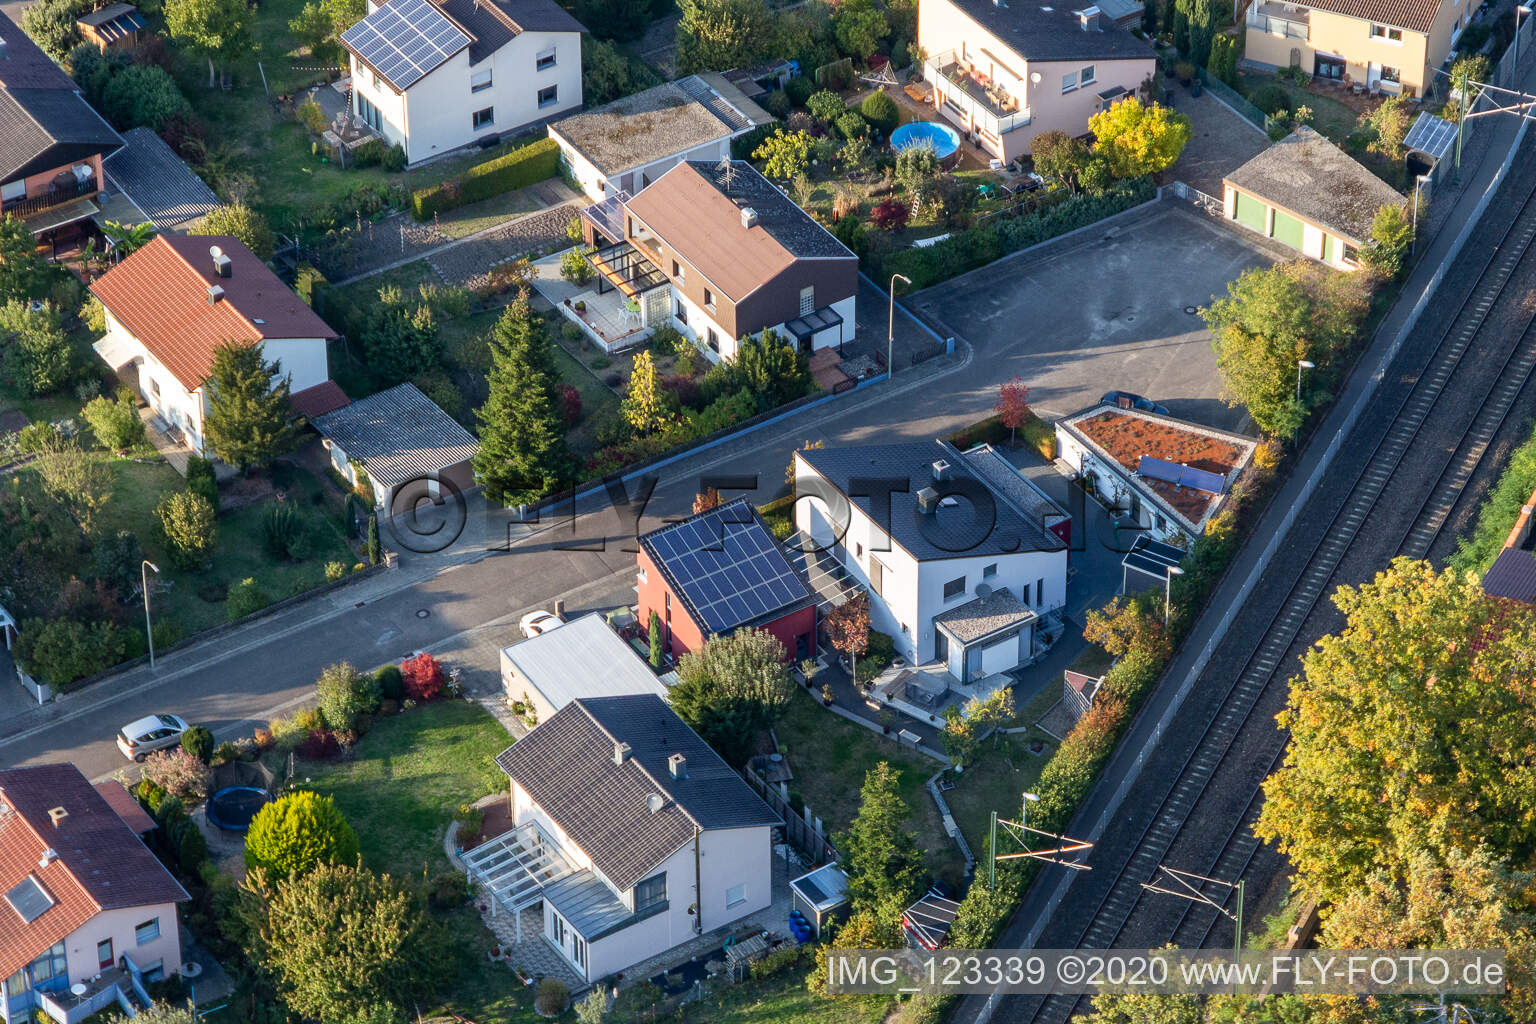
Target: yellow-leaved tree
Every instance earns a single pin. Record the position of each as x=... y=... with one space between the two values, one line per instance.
x=1139 y=139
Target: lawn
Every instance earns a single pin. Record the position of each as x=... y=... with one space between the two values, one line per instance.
x=830 y=755
x=399 y=792
x=784 y=998
x=995 y=780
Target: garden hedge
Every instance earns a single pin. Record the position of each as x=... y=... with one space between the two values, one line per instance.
x=525 y=166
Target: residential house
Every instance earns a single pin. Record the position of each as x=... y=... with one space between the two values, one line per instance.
x=629 y=833
x=158 y=183
x=1390 y=46
x=112 y=27
x=629 y=143
x=1005 y=72
x=434 y=76
x=171 y=304
x=719 y=252
x=583 y=658
x=719 y=571
x=51 y=141
x=1309 y=194
x=964 y=559
x=1513 y=574
x=405 y=444
x=1162 y=476
x=85 y=903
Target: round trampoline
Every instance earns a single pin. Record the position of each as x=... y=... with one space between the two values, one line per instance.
x=944 y=139
x=233 y=807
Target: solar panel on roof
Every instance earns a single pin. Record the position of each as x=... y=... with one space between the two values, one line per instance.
x=1202 y=480
x=729 y=568
x=405 y=40
x=1159 y=469
x=29 y=899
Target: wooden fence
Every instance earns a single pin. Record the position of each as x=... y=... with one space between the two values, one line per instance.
x=800 y=831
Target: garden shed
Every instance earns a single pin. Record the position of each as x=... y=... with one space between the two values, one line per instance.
x=821 y=896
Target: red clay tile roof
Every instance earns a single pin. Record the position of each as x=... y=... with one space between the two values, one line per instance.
x=101 y=864
x=324 y=397
x=127 y=808
x=1418 y=15
x=1125 y=435
x=160 y=294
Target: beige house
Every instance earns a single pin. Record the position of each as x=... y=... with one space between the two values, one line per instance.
x=1005 y=72
x=1393 y=46
x=1309 y=194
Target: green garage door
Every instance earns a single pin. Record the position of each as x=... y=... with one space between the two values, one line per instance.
x=1327 y=248
x=1251 y=212
x=1287 y=230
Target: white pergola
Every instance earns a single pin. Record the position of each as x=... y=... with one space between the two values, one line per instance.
x=515 y=867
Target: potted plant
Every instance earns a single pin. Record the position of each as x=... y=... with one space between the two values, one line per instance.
x=581 y=306
x=494 y=954
x=1184 y=71
x=826 y=694
x=886 y=719
x=808 y=670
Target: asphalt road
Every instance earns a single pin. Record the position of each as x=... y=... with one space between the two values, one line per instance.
x=233 y=683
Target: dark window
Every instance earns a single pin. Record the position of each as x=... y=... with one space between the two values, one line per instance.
x=545 y=61
x=954 y=588
x=677 y=270
x=1039 y=592
x=549 y=97
x=989 y=571
x=483 y=118
x=940 y=647
x=858 y=551
x=1390 y=74
x=682 y=312
x=650 y=891
x=709 y=300
x=713 y=339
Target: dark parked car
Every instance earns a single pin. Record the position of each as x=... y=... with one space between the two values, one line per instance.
x=1126 y=400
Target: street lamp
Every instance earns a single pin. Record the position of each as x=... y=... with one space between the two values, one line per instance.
x=890 y=325
x=148 y=630
x=1173 y=571
x=1302 y=364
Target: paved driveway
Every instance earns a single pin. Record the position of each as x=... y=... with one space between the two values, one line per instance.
x=1110 y=308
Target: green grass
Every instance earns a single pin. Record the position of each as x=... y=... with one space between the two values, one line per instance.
x=830 y=755
x=399 y=792
x=595 y=398
x=782 y=999
x=1478 y=550
x=995 y=780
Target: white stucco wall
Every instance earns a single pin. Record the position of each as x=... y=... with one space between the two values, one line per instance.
x=1112 y=483
x=698 y=325
x=160 y=388
x=598 y=186
x=119 y=925
x=302 y=359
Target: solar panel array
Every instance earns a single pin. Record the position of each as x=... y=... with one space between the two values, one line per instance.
x=731 y=571
x=404 y=40
x=29 y=899
x=1431 y=135
x=1183 y=476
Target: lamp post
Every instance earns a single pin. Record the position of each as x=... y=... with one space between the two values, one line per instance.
x=149 y=633
x=1173 y=571
x=1028 y=798
x=890 y=325
x=1302 y=364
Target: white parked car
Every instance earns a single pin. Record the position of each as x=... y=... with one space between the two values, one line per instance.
x=150 y=733
x=538 y=622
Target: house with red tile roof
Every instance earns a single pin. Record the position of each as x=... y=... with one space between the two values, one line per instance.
x=172 y=303
x=87 y=913
x=1163 y=475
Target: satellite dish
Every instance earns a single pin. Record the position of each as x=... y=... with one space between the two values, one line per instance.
x=215 y=252
x=1034 y=77
x=983 y=590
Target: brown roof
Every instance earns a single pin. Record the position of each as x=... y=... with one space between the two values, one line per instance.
x=1418 y=15
x=1125 y=435
x=160 y=294
x=99 y=863
x=127 y=808
x=324 y=397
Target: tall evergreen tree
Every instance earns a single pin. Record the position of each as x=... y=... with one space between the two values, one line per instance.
x=883 y=859
x=249 y=421
x=522 y=453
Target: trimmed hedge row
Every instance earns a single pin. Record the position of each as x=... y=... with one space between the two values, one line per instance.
x=978 y=246
x=524 y=166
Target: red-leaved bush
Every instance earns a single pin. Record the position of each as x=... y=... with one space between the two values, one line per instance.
x=891 y=214
x=319 y=745
x=423 y=677
x=570 y=404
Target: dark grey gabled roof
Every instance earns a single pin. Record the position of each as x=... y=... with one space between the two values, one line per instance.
x=1306 y=175
x=1512 y=575
x=158 y=181
x=567 y=767
x=793 y=228
x=1051 y=30
x=44 y=122
x=398 y=435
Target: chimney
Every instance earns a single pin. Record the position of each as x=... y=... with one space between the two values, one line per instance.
x=215 y=293
x=748 y=217
x=57 y=816
x=677 y=764
x=927 y=501
x=560 y=608
x=940 y=471
x=221 y=266
x=654 y=802
x=620 y=752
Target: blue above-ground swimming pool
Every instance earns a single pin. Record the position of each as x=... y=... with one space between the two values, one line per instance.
x=233 y=807
x=944 y=139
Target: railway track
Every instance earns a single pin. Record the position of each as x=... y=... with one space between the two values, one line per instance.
x=1238 y=848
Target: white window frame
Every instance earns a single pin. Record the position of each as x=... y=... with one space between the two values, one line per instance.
x=1397 y=74
x=476 y=124
x=1088 y=75
x=481 y=80
x=545 y=60
x=14 y=190
x=741 y=895
x=554 y=96
x=139 y=939
x=1069 y=82
x=1384 y=34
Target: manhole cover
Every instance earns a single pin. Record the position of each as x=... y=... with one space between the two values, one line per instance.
x=1191 y=310
x=422 y=613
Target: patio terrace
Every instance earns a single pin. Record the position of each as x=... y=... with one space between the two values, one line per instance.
x=609 y=318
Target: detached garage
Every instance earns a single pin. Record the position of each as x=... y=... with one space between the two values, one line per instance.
x=1310 y=195
x=405 y=444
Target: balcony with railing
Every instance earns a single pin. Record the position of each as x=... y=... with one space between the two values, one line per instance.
x=985 y=98
x=1283 y=20
x=57 y=195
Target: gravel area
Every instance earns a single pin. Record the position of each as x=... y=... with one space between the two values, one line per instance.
x=468 y=263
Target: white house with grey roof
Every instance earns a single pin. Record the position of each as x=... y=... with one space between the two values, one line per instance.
x=434 y=76
x=406 y=445
x=583 y=658
x=629 y=143
x=630 y=835
x=965 y=559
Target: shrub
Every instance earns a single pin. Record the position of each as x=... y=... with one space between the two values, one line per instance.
x=311 y=116
x=1272 y=99
x=245 y=598
x=799 y=89
x=188 y=523
x=575 y=267
x=37 y=437
x=335 y=571
x=280 y=529
x=570 y=404
x=390 y=682
x=319 y=745
x=263 y=738
x=890 y=214
x=471 y=820
x=198 y=742
x=777 y=103
x=422 y=677
x=878 y=656
x=178 y=773
x=143 y=95
x=552 y=997
x=528 y=165
x=60 y=651
x=851 y=125
x=224 y=753
x=244 y=223
x=116 y=424
x=881 y=112
x=201 y=479
x=293 y=834
x=449 y=889
x=825 y=105
x=345 y=693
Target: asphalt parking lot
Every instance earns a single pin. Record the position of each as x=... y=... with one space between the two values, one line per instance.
x=1107 y=309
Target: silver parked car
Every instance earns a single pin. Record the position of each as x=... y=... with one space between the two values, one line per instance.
x=150 y=733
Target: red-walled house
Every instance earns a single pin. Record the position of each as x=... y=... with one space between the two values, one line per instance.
x=720 y=571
